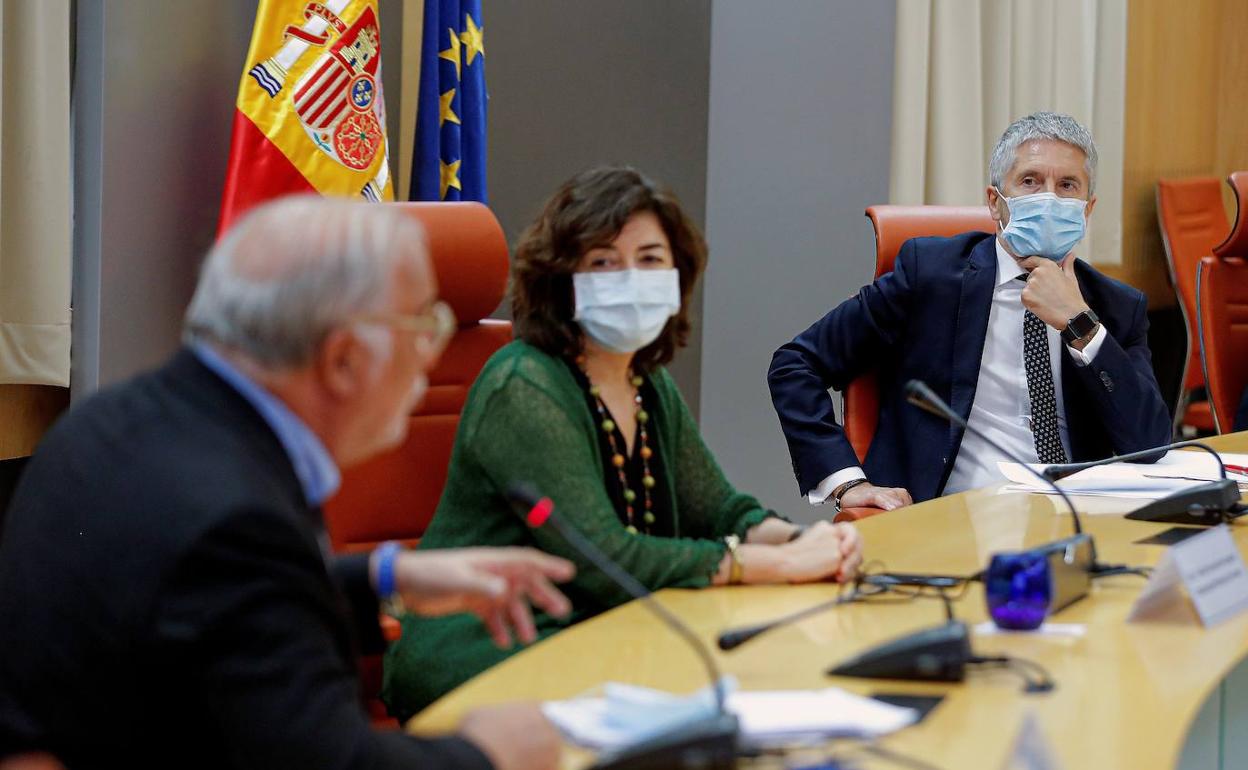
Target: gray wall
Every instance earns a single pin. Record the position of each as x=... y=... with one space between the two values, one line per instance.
x=800 y=112
x=154 y=90
x=578 y=83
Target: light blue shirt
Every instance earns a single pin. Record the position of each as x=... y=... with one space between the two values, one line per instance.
x=318 y=475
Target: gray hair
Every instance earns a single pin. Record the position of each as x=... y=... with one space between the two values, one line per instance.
x=1041 y=125
x=291 y=271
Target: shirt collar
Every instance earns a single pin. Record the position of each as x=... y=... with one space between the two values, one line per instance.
x=1007 y=266
x=318 y=475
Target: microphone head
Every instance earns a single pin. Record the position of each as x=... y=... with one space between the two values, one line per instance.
x=730 y=640
x=922 y=396
x=1055 y=472
x=917 y=389
x=529 y=503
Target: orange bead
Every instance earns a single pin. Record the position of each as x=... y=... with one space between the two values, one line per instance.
x=617 y=460
x=646 y=453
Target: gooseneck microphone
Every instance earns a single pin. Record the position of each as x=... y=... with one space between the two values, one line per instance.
x=1072 y=560
x=707 y=744
x=735 y=637
x=922 y=396
x=1055 y=472
x=1209 y=503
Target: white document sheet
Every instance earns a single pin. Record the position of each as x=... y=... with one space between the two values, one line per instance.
x=1177 y=471
x=627 y=714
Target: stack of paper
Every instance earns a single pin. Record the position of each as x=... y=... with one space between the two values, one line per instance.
x=628 y=714
x=1177 y=471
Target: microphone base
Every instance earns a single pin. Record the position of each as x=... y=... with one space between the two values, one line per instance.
x=707 y=744
x=1071 y=563
x=937 y=654
x=1206 y=505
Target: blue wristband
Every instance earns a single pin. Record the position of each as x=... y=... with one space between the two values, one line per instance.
x=386 y=554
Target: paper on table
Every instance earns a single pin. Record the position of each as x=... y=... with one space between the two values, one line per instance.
x=1132 y=480
x=619 y=719
x=789 y=713
x=1072 y=630
x=1199 y=464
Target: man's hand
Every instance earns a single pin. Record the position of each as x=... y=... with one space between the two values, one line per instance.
x=495 y=584
x=871 y=496
x=514 y=737
x=1052 y=292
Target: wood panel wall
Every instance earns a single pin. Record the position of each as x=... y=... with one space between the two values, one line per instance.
x=26 y=411
x=1186 y=114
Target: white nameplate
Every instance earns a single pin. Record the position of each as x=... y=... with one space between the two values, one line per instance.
x=1209 y=566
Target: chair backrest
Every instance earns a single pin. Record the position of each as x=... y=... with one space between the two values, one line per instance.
x=393 y=496
x=894 y=225
x=1236 y=244
x=1192 y=222
x=1222 y=310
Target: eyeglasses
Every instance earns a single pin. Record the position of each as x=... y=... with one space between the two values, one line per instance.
x=437 y=326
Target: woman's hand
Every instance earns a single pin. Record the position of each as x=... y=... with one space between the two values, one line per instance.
x=823 y=551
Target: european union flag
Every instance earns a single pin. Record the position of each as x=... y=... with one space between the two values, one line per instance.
x=449 y=159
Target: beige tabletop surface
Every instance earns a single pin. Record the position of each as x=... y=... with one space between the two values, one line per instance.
x=1126 y=691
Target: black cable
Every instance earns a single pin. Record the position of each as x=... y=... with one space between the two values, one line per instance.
x=911 y=592
x=1043 y=681
x=1122 y=569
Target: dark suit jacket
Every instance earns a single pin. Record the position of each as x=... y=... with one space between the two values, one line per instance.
x=164 y=599
x=928 y=320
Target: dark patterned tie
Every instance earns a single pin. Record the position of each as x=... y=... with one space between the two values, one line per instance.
x=1040 y=388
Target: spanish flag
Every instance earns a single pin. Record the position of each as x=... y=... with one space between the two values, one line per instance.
x=310 y=114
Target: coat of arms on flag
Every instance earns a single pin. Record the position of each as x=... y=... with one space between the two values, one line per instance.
x=310 y=111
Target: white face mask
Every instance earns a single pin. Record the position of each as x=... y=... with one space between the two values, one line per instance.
x=625 y=310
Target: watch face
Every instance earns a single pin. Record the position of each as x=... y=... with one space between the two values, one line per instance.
x=1081 y=325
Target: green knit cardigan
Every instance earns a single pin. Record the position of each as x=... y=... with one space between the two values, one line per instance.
x=526 y=419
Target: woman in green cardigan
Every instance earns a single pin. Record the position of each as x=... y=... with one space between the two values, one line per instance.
x=581 y=407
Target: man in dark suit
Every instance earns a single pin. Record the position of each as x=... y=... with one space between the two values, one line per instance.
x=1028 y=343
x=167 y=598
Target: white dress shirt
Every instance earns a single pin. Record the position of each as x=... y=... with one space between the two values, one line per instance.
x=1002 y=406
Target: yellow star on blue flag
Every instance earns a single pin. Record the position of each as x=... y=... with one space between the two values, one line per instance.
x=449 y=158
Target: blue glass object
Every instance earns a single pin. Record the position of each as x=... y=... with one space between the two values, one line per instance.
x=1018 y=589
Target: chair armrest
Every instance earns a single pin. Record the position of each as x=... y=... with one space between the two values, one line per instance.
x=391 y=630
x=854 y=514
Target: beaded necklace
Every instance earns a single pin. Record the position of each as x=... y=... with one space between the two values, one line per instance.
x=607 y=425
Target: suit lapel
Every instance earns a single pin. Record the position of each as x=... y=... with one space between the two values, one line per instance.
x=979 y=276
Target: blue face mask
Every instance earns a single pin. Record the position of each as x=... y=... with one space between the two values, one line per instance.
x=1044 y=225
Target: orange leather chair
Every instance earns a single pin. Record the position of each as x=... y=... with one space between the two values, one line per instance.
x=1222 y=302
x=1236 y=244
x=1222 y=310
x=393 y=496
x=894 y=225
x=1192 y=221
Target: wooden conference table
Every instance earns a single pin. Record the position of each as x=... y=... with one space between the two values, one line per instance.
x=1126 y=696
